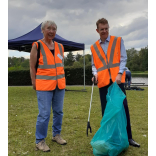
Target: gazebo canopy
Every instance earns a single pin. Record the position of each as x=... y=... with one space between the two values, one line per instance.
x=24 y=43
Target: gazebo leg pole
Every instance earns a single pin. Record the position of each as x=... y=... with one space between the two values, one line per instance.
x=84 y=67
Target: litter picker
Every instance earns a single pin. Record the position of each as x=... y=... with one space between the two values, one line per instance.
x=88 y=123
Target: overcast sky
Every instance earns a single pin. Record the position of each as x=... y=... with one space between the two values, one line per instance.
x=76 y=19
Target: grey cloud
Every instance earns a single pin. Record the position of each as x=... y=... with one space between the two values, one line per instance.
x=23 y=19
x=138 y=24
x=136 y=35
x=136 y=44
x=76 y=19
x=71 y=4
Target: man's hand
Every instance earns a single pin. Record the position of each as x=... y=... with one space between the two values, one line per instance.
x=96 y=78
x=118 y=78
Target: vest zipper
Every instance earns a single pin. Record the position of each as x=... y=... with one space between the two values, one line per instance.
x=108 y=68
x=55 y=68
x=107 y=64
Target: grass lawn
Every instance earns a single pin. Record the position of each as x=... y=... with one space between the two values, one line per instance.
x=23 y=111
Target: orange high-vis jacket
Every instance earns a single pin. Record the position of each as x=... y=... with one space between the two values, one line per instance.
x=107 y=65
x=50 y=72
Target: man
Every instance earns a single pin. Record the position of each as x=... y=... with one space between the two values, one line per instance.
x=48 y=79
x=108 y=63
x=128 y=78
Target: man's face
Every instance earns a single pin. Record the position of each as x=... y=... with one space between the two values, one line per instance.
x=49 y=31
x=103 y=30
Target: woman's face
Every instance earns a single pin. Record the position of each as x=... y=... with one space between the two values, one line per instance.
x=49 y=31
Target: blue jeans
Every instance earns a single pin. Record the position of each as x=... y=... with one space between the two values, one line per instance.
x=128 y=78
x=46 y=99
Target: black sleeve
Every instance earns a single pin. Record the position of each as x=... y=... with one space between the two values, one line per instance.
x=38 y=55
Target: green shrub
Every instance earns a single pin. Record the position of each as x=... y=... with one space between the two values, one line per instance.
x=74 y=76
x=15 y=68
x=19 y=78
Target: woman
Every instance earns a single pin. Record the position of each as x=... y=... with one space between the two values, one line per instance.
x=49 y=82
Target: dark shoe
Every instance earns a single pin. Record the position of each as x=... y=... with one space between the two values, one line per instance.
x=129 y=88
x=133 y=143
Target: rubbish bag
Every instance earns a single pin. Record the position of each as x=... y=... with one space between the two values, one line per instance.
x=111 y=138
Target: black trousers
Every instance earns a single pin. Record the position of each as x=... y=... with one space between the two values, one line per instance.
x=103 y=93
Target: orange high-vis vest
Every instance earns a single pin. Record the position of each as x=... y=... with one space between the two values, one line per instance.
x=107 y=65
x=50 y=72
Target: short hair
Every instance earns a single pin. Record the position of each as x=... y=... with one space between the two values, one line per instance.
x=49 y=23
x=102 y=21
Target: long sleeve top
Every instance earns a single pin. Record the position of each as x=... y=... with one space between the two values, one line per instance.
x=123 y=55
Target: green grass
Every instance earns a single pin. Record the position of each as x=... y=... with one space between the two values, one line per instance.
x=23 y=111
x=145 y=72
x=139 y=73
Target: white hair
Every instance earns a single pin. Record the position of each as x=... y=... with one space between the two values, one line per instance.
x=49 y=23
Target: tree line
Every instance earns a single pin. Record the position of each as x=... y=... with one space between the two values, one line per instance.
x=18 y=63
x=136 y=60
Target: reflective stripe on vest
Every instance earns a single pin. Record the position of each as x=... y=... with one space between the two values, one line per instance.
x=110 y=63
x=44 y=77
x=60 y=48
x=100 y=57
x=46 y=66
x=61 y=51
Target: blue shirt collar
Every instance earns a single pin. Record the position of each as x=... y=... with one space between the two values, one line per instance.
x=107 y=39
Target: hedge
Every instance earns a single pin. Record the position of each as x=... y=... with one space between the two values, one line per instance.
x=74 y=76
x=19 y=78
